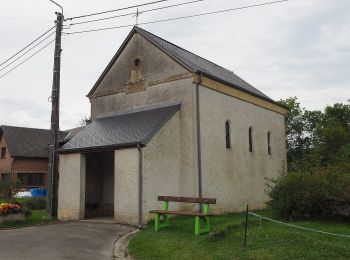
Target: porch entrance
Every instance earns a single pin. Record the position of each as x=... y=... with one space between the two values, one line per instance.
x=99 y=189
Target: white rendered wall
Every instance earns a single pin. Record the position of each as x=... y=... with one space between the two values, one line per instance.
x=164 y=168
x=71 y=188
x=126 y=186
x=235 y=176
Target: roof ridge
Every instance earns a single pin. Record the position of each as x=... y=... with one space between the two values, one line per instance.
x=25 y=127
x=32 y=128
x=143 y=30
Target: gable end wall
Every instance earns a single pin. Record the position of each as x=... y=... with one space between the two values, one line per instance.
x=5 y=163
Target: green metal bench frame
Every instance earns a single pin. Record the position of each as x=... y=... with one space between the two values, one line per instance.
x=198 y=229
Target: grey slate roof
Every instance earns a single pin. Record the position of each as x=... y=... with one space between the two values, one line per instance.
x=71 y=133
x=121 y=129
x=190 y=61
x=196 y=63
x=27 y=142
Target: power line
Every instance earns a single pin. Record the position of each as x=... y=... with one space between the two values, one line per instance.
x=141 y=12
x=179 y=18
x=24 y=19
x=116 y=10
x=3 y=75
x=42 y=35
x=1 y=69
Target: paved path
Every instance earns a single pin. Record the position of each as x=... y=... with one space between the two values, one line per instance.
x=72 y=240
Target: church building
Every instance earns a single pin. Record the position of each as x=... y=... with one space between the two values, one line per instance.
x=165 y=121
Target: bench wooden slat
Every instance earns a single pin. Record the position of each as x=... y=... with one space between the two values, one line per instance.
x=180 y=213
x=187 y=199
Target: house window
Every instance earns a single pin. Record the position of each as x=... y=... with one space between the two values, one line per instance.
x=269 y=142
x=3 y=152
x=228 y=134
x=5 y=177
x=30 y=179
x=250 y=139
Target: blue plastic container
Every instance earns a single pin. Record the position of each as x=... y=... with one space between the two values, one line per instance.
x=38 y=192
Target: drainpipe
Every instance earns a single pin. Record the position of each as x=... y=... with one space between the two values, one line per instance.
x=199 y=147
x=140 y=206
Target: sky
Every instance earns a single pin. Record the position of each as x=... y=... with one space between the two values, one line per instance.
x=296 y=48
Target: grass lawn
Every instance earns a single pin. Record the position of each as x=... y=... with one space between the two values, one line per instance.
x=268 y=241
x=37 y=217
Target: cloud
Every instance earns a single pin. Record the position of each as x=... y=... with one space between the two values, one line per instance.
x=20 y=112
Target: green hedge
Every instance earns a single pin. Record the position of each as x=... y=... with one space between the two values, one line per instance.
x=320 y=193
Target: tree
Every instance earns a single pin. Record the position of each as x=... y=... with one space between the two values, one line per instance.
x=300 y=126
x=85 y=121
x=316 y=138
x=333 y=146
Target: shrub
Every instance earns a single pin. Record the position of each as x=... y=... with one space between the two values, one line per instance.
x=32 y=203
x=308 y=195
x=36 y=203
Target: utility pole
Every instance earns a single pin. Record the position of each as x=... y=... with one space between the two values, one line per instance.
x=55 y=99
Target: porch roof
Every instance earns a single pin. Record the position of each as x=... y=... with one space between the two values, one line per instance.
x=124 y=129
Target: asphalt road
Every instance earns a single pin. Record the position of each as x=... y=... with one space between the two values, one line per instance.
x=71 y=240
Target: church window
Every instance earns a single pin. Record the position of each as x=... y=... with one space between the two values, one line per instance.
x=250 y=139
x=228 y=134
x=269 y=142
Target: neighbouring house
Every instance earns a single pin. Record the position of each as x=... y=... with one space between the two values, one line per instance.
x=24 y=157
x=168 y=122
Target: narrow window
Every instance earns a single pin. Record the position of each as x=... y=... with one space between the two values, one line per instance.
x=269 y=142
x=228 y=134
x=250 y=139
x=3 y=152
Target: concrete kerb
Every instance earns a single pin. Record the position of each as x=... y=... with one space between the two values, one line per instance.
x=120 y=250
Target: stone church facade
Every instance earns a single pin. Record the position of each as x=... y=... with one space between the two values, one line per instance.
x=168 y=122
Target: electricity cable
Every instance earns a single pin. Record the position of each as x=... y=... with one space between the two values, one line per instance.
x=133 y=13
x=3 y=75
x=179 y=18
x=7 y=65
x=116 y=10
x=24 y=19
x=42 y=35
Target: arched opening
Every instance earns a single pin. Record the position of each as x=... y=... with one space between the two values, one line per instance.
x=250 y=139
x=269 y=143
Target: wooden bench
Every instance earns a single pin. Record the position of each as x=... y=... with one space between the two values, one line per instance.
x=204 y=215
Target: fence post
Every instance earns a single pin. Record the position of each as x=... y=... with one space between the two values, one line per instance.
x=246 y=227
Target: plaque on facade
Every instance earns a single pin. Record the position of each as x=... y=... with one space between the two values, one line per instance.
x=136 y=82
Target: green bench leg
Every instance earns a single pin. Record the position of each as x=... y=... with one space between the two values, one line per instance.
x=157 y=222
x=197 y=226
